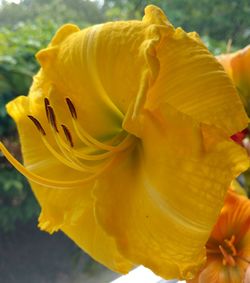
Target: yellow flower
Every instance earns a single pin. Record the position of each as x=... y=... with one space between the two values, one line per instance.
x=228 y=248
x=237 y=65
x=125 y=137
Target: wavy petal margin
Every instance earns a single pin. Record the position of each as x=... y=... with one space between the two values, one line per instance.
x=161 y=202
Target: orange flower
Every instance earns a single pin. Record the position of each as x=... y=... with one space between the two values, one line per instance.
x=237 y=65
x=228 y=248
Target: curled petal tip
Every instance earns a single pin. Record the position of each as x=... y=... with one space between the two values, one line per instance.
x=64 y=32
x=155 y=15
x=46 y=55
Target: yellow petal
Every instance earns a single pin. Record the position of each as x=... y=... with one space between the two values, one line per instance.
x=101 y=94
x=88 y=235
x=191 y=80
x=107 y=65
x=38 y=159
x=161 y=203
x=68 y=210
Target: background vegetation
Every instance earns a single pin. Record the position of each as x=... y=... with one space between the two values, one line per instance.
x=27 y=27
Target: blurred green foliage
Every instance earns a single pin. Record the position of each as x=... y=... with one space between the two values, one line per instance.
x=28 y=27
x=17 y=66
x=81 y=12
x=17 y=203
x=17 y=62
x=25 y=29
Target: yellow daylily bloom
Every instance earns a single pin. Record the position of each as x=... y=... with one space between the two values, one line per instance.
x=228 y=248
x=237 y=65
x=125 y=137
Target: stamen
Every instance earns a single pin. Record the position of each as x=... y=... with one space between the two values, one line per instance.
x=77 y=153
x=74 y=161
x=99 y=156
x=74 y=116
x=69 y=160
x=65 y=161
x=67 y=135
x=46 y=104
x=70 y=156
x=37 y=124
x=230 y=244
x=52 y=118
x=89 y=140
x=122 y=146
x=228 y=259
x=48 y=182
x=85 y=137
x=71 y=108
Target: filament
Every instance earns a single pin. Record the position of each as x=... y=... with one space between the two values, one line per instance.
x=68 y=155
x=83 y=135
x=88 y=139
x=63 y=160
x=125 y=143
x=48 y=182
x=66 y=150
x=52 y=120
x=88 y=157
x=68 y=160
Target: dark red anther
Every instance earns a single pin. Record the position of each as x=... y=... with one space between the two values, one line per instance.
x=71 y=108
x=52 y=118
x=67 y=135
x=37 y=124
x=46 y=104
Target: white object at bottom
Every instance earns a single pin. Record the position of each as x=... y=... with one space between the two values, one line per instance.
x=143 y=275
